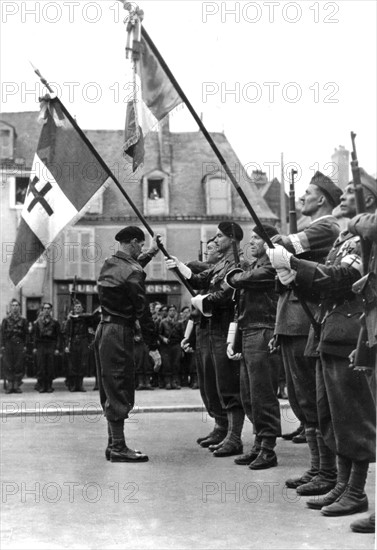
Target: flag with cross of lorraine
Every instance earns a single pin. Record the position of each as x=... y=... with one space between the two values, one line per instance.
x=65 y=175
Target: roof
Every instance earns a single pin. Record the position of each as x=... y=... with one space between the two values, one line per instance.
x=191 y=158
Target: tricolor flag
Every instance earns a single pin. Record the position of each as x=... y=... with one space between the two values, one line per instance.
x=65 y=175
x=153 y=97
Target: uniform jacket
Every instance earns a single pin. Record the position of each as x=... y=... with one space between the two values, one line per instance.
x=311 y=244
x=258 y=298
x=14 y=328
x=46 y=331
x=365 y=225
x=340 y=309
x=219 y=295
x=121 y=293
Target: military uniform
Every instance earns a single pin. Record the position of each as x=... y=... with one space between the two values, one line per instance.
x=259 y=369
x=14 y=335
x=345 y=398
x=122 y=298
x=47 y=341
x=220 y=372
x=77 y=341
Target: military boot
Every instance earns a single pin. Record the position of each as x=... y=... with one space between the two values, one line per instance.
x=147 y=383
x=140 y=382
x=121 y=453
x=344 y=471
x=364 y=525
x=168 y=385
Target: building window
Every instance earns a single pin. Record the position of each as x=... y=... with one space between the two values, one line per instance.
x=156 y=193
x=218 y=197
x=6 y=143
x=80 y=253
x=155 y=188
x=17 y=190
x=156 y=268
x=21 y=186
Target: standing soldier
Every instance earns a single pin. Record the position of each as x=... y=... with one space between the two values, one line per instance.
x=77 y=346
x=47 y=340
x=122 y=298
x=170 y=349
x=292 y=330
x=259 y=369
x=345 y=398
x=218 y=305
x=14 y=334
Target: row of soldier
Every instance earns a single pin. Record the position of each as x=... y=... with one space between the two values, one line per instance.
x=314 y=321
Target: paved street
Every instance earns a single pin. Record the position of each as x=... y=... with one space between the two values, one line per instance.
x=58 y=491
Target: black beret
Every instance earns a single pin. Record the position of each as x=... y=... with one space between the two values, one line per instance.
x=269 y=229
x=228 y=227
x=332 y=191
x=128 y=233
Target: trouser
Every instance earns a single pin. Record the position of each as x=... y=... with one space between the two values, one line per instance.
x=346 y=409
x=14 y=361
x=46 y=364
x=171 y=355
x=301 y=379
x=114 y=353
x=77 y=362
x=207 y=377
x=259 y=379
x=143 y=365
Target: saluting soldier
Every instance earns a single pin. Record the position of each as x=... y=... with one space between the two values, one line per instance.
x=345 y=398
x=218 y=305
x=292 y=330
x=14 y=334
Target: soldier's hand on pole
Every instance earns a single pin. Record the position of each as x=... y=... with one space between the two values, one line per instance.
x=173 y=263
x=231 y=355
x=279 y=257
x=286 y=276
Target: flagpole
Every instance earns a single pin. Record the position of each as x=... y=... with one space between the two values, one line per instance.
x=223 y=162
x=208 y=137
x=115 y=180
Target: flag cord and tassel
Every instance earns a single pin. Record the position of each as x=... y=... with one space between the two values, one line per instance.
x=111 y=175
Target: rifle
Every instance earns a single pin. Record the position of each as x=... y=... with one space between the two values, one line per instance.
x=362 y=359
x=292 y=204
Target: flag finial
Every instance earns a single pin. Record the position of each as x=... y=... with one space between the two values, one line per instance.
x=133 y=21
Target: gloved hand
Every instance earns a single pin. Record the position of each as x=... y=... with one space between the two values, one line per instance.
x=173 y=262
x=279 y=257
x=231 y=355
x=156 y=359
x=286 y=276
x=197 y=302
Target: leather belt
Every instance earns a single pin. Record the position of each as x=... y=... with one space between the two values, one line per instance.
x=117 y=320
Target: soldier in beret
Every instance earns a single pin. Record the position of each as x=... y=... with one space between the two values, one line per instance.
x=345 y=398
x=122 y=298
x=217 y=304
x=292 y=329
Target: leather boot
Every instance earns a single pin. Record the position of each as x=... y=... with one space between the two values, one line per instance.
x=248 y=458
x=290 y=436
x=265 y=459
x=344 y=471
x=215 y=437
x=80 y=384
x=175 y=384
x=294 y=482
x=353 y=500
x=168 y=385
x=121 y=453
x=232 y=445
x=364 y=525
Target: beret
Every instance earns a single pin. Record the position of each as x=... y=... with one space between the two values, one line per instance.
x=368 y=182
x=228 y=227
x=332 y=191
x=128 y=233
x=269 y=229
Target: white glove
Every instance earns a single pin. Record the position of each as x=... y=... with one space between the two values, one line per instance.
x=231 y=355
x=279 y=257
x=173 y=262
x=286 y=276
x=157 y=360
x=197 y=302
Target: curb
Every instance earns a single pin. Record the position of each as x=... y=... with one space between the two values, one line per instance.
x=94 y=410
